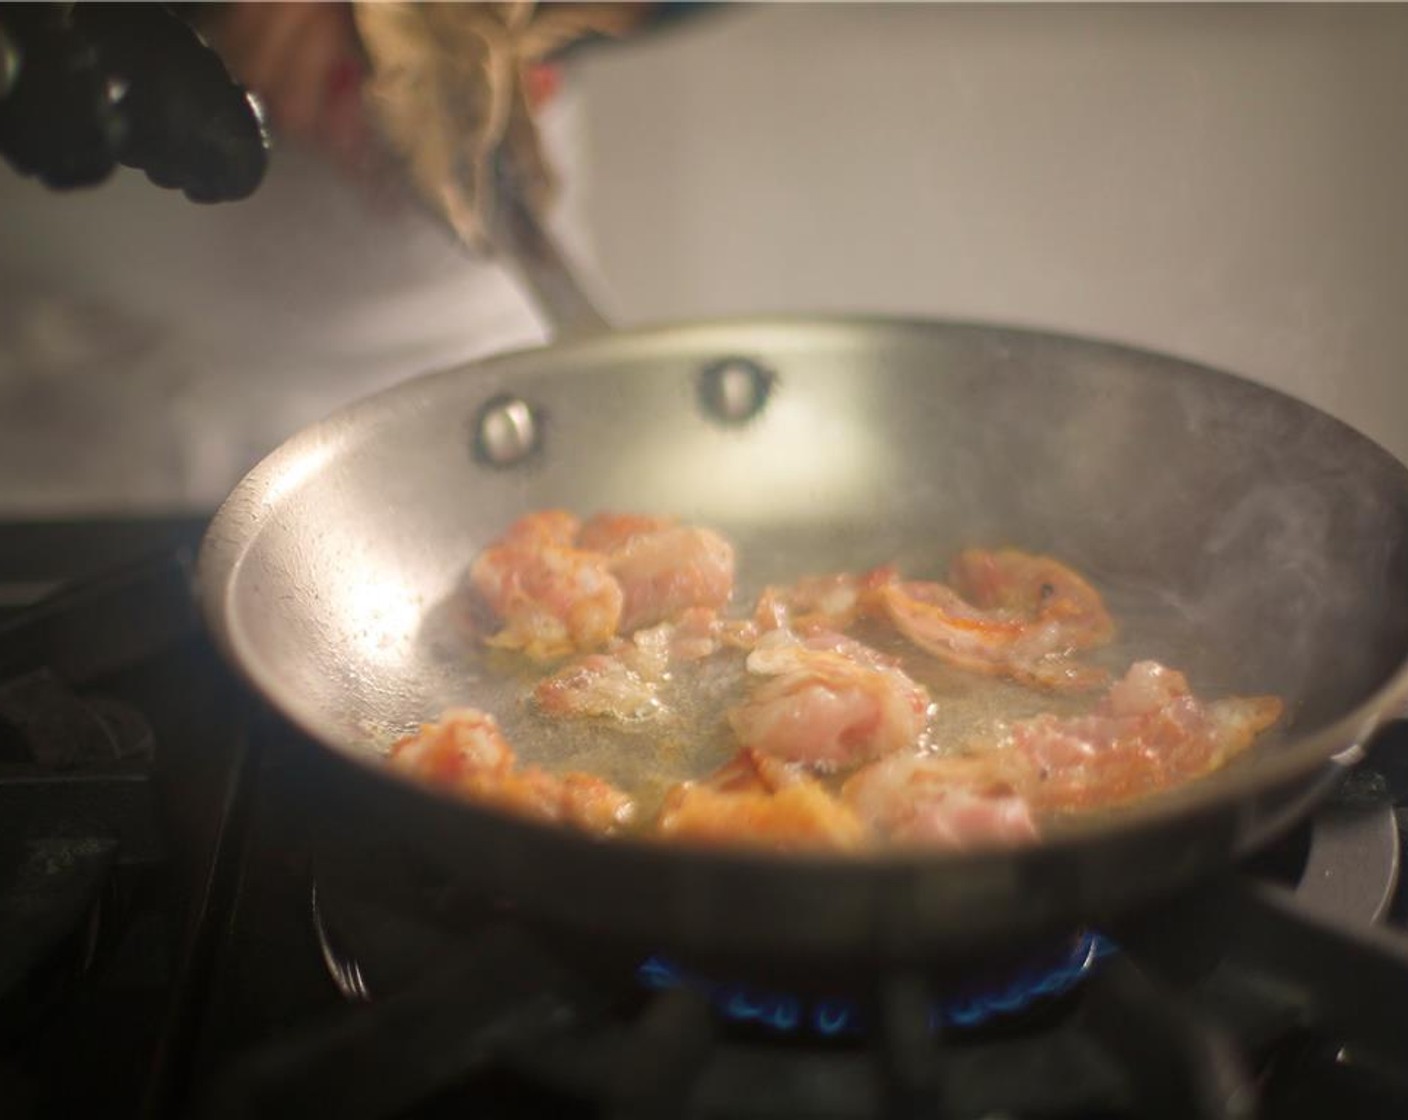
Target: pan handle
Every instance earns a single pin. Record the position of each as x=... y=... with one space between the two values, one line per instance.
x=526 y=246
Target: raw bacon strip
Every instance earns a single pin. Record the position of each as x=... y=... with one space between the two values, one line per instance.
x=930 y=801
x=1148 y=734
x=754 y=801
x=798 y=818
x=664 y=568
x=752 y=772
x=698 y=633
x=560 y=587
x=622 y=683
x=553 y=598
x=606 y=532
x=1037 y=588
x=1024 y=617
x=832 y=602
x=462 y=741
x=601 y=685
x=829 y=702
x=466 y=753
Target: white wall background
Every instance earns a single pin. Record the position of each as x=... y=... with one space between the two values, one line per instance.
x=1230 y=184
x=1227 y=183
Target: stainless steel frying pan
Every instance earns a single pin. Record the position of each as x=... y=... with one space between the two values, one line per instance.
x=1264 y=544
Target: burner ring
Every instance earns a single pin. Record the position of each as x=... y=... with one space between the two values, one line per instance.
x=833 y=1017
x=1351 y=870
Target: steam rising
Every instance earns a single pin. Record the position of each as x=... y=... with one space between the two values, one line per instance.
x=1249 y=539
x=1256 y=543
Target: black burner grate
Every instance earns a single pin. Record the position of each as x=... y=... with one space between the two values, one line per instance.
x=1180 y=1025
x=180 y=972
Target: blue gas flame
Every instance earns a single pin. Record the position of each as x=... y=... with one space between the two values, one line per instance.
x=835 y=1017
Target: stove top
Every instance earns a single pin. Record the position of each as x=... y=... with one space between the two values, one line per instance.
x=178 y=939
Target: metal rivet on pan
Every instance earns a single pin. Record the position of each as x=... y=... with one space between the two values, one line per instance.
x=507 y=430
x=734 y=390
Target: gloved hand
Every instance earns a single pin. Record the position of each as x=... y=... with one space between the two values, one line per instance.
x=305 y=63
x=85 y=87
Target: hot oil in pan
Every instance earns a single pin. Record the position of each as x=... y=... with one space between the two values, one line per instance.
x=687 y=736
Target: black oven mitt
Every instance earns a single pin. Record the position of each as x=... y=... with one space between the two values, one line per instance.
x=85 y=87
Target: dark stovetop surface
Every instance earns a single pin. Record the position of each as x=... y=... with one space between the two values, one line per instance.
x=172 y=880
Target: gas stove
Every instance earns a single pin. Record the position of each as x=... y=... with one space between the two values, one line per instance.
x=180 y=937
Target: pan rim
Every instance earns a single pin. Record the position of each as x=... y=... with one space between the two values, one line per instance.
x=237 y=522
